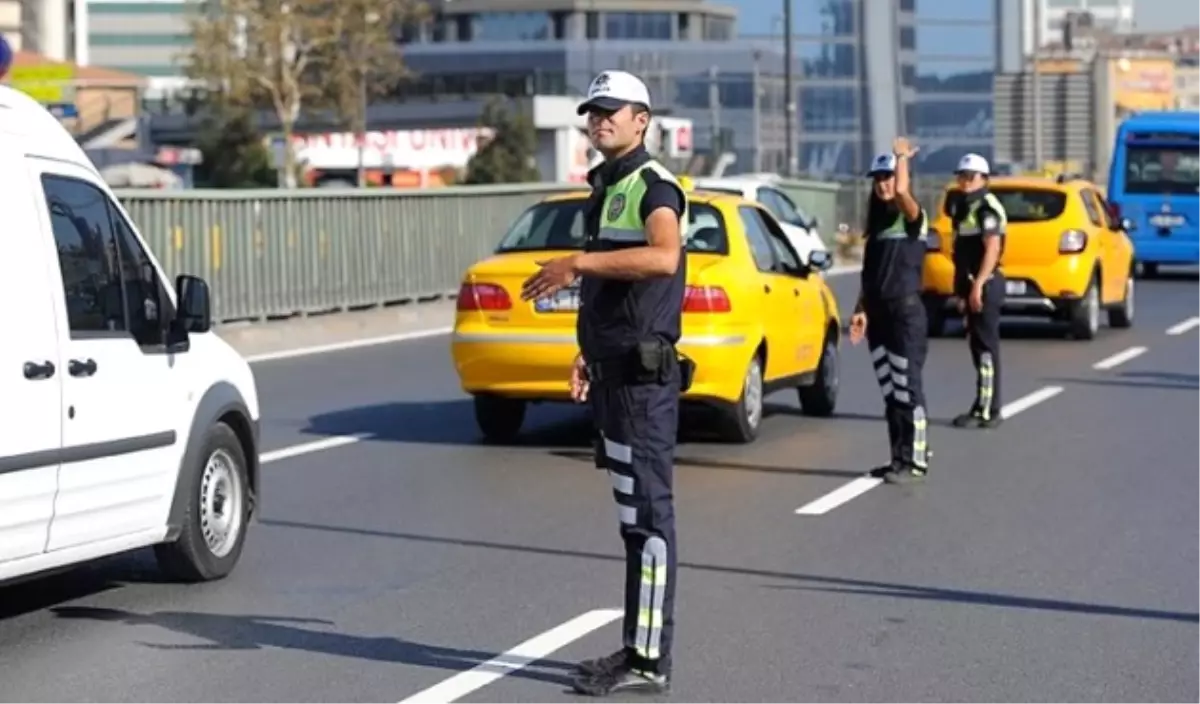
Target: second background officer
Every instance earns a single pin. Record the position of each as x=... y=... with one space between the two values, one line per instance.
x=979 y=224
x=633 y=272
x=890 y=310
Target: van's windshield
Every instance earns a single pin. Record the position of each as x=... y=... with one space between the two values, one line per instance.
x=1156 y=170
x=559 y=225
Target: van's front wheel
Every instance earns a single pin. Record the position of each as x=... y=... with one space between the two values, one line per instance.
x=215 y=515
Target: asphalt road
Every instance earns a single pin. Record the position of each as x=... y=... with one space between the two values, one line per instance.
x=1053 y=559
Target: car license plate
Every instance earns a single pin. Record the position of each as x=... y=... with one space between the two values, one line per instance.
x=1162 y=220
x=1014 y=288
x=564 y=301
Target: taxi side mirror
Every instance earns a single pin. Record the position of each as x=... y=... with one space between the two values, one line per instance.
x=820 y=260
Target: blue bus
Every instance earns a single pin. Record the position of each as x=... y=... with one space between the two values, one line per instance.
x=1154 y=186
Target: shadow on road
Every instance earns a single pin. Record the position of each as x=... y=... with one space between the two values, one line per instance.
x=684 y=461
x=1140 y=380
x=244 y=632
x=806 y=581
x=77 y=582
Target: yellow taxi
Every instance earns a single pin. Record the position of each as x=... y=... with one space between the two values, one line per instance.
x=756 y=319
x=1065 y=258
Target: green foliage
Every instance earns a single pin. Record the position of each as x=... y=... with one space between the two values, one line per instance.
x=234 y=153
x=508 y=157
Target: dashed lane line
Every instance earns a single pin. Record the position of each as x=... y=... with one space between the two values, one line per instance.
x=862 y=485
x=1184 y=326
x=517 y=658
x=1119 y=358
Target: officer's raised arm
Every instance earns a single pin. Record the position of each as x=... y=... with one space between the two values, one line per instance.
x=904 y=197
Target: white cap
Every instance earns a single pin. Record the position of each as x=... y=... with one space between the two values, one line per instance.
x=613 y=90
x=973 y=162
x=884 y=163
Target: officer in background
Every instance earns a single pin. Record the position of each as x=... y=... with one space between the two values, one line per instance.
x=979 y=223
x=633 y=270
x=891 y=313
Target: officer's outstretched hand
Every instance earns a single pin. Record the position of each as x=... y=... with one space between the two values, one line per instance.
x=552 y=276
x=579 y=380
x=858 y=327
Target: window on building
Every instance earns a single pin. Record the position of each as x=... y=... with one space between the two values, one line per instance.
x=970 y=11
x=828 y=18
x=962 y=120
x=908 y=5
x=828 y=109
x=683 y=24
x=593 y=25
x=956 y=39
x=908 y=38
x=637 y=25
x=718 y=29
x=955 y=76
x=827 y=59
x=509 y=26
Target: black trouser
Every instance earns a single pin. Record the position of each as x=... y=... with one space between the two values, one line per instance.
x=983 y=337
x=898 y=337
x=638 y=425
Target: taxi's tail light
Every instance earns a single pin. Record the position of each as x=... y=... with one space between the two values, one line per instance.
x=934 y=242
x=706 y=299
x=483 y=297
x=1072 y=242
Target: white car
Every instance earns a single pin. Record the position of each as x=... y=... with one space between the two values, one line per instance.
x=127 y=422
x=797 y=225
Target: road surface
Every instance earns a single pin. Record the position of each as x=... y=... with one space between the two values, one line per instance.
x=1053 y=559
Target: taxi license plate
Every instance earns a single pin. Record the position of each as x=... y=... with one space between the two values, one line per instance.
x=564 y=301
x=1014 y=288
x=1166 y=220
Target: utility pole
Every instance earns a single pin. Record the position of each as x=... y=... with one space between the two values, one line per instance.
x=789 y=92
x=714 y=108
x=1038 y=159
x=757 y=114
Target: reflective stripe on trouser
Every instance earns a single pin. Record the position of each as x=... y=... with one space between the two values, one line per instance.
x=897 y=335
x=983 y=338
x=638 y=428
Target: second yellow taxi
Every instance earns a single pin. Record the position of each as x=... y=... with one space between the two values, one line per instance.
x=756 y=319
x=1065 y=257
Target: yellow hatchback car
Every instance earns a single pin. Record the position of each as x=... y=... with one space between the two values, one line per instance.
x=1065 y=257
x=755 y=318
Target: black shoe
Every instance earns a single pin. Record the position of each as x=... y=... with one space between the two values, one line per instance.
x=993 y=421
x=971 y=419
x=881 y=472
x=622 y=678
x=905 y=475
x=607 y=663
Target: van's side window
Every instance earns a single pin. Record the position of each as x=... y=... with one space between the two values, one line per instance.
x=87 y=255
x=142 y=287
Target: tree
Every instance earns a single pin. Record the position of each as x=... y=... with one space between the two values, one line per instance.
x=508 y=156
x=256 y=53
x=368 y=64
x=234 y=153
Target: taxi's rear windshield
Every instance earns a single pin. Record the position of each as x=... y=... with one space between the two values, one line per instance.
x=559 y=225
x=1021 y=204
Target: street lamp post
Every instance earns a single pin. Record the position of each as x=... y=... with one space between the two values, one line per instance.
x=789 y=96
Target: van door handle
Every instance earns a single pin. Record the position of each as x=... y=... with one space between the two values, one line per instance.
x=766 y=288
x=84 y=368
x=795 y=292
x=35 y=371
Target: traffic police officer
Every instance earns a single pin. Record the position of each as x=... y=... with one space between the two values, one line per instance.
x=979 y=223
x=891 y=312
x=633 y=270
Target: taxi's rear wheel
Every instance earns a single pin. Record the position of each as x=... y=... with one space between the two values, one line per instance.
x=1085 y=315
x=820 y=397
x=744 y=418
x=1121 y=315
x=499 y=418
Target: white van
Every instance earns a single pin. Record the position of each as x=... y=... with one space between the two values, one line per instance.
x=126 y=421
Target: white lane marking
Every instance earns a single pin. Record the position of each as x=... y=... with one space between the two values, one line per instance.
x=862 y=485
x=1024 y=403
x=1182 y=327
x=347 y=345
x=309 y=447
x=519 y=657
x=1119 y=358
x=839 y=496
x=419 y=334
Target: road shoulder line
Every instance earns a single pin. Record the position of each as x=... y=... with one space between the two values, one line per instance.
x=1183 y=326
x=1119 y=358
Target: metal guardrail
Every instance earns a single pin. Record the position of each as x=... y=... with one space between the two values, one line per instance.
x=280 y=253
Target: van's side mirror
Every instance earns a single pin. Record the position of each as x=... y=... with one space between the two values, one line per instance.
x=195 y=308
x=820 y=260
x=1126 y=224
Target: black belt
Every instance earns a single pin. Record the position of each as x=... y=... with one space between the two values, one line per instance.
x=649 y=363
